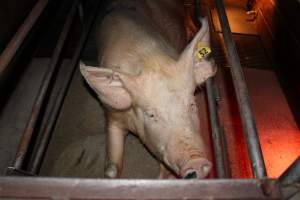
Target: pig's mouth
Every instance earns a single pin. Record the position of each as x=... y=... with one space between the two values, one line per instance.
x=197 y=168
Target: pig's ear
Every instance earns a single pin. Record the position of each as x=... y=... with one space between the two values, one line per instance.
x=108 y=86
x=195 y=56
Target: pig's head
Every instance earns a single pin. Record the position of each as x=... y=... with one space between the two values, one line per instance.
x=162 y=105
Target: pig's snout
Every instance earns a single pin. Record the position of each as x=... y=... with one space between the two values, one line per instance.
x=196 y=168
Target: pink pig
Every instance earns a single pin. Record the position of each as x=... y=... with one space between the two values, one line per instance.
x=147 y=86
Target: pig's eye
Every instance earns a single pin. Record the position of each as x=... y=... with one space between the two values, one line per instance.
x=150 y=114
x=194 y=107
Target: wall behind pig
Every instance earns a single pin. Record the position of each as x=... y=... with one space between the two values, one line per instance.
x=12 y=15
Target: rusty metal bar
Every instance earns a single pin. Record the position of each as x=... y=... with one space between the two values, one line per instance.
x=62 y=188
x=58 y=101
x=14 y=44
x=250 y=131
x=27 y=134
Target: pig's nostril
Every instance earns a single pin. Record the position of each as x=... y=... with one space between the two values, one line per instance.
x=191 y=175
x=201 y=168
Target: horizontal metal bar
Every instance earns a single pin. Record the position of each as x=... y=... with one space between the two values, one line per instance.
x=14 y=44
x=58 y=99
x=250 y=131
x=20 y=187
x=27 y=134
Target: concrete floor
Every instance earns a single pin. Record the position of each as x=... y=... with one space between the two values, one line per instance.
x=16 y=112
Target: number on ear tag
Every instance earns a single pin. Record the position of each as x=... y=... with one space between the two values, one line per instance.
x=203 y=51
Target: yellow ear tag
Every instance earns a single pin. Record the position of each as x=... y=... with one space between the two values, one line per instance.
x=203 y=51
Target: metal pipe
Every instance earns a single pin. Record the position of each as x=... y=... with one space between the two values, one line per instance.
x=27 y=134
x=289 y=181
x=292 y=174
x=55 y=107
x=220 y=151
x=14 y=44
x=63 y=188
x=218 y=143
x=250 y=131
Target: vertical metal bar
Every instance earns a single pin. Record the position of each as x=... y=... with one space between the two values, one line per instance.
x=250 y=131
x=220 y=151
x=27 y=134
x=216 y=131
x=12 y=47
x=55 y=107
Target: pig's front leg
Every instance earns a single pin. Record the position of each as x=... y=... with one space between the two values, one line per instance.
x=114 y=150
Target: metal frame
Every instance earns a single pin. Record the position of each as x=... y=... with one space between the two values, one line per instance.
x=36 y=110
x=286 y=187
x=58 y=99
x=250 y=131
x=17 y=40
x=17 y=167
x=32 y=188
x=218 y=139
x=60 y=188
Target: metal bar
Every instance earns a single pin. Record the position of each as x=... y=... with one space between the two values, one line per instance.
x=217 y=133
x=218 y=143
x=292 y=174
x=27 y=134
x=62 y=188
x=14 y=44
x=289 y=181
x=250 y=131
x=55 y=107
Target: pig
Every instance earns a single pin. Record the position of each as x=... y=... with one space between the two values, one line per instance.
x=146 y=82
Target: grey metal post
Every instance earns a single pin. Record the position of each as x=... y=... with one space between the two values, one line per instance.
x=27 y=134
x=220 y=151
x=250 y=131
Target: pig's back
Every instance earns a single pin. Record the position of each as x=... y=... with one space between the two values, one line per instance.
x=128 y=40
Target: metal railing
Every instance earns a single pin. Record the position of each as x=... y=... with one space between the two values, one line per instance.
x=260 y=188
x=250 y=131
x=26 y=138
x=18 y=39
x=218 y=141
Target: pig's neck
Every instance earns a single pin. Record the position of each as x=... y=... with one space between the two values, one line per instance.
x=133 y=44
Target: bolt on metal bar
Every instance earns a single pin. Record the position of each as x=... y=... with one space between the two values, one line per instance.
x=27 y=134
x=250 y=131
x=55 y=107
x=14 y=44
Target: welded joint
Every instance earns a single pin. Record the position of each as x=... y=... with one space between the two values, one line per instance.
x=289 y=181
x=12 y=171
